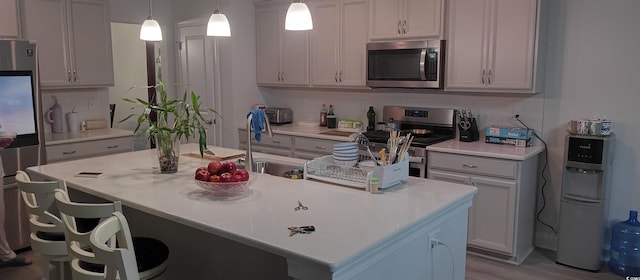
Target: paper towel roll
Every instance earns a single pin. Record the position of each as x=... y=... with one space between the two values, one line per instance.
x=72 y=122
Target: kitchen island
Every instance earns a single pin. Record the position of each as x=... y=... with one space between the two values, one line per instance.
x=416 y=230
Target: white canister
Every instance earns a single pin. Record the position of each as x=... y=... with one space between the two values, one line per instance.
x=595 y=128
x=72 y=122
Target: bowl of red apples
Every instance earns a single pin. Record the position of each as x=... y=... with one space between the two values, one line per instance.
x=223 y=178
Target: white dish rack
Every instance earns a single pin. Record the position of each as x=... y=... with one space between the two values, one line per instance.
x=324 y=169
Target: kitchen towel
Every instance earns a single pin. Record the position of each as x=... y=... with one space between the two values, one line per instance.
x=257 y=122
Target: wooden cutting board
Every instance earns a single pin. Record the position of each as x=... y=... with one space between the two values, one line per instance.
x=220 y=153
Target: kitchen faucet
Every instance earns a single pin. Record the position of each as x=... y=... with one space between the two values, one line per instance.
x=248 y=158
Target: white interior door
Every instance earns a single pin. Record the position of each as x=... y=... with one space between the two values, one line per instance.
x=199 y=73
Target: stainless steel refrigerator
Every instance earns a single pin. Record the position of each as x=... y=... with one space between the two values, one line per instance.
x=20 y=111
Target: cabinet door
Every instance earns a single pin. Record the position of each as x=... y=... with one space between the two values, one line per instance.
x=90 y=43
x=268 y=44
x=467 y=43
x=385 y=19
x=512 y=33
x=294 y=59
x=492 y=215
x=353 y=42
x=9 y=26
x=325 y=43
x=45 y=22
x=421 y=18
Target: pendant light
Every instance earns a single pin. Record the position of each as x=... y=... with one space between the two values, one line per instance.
x=150 y=30
x=218 y=24
x=298 y=17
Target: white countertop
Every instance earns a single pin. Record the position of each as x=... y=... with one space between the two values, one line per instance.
x=479 y=148
x=307 y=131
x=350 y=223
x=89 y=135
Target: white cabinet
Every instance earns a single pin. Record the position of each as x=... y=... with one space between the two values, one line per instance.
x=74 y=41
x=277 y=145
x=92 y=148
x=502 y=217
x=282 y=56
x=391 y=19
x=9 y=24
x=339 y=37
x=310 y=148
x=494 y=45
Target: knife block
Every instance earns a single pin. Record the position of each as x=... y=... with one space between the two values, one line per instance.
x=471 y=134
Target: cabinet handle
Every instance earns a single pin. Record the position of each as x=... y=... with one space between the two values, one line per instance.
x=69 y=76
x=336 y=76
x=113 y=147
x=69 y=153
x=469 y=165
x=489 y=77
x=483 y=76
x=275 y=142
x=75 y=76
x=399 y=24
x=279 y=77
x=321 y=147
x=282 y=76
x=340 y=76
x=404 y=24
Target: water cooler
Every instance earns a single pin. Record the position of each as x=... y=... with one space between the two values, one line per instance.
x=582 y=223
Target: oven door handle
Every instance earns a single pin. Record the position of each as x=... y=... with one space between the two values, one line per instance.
x=423 y=64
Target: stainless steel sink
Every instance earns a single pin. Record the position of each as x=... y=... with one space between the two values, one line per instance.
x=274 y=168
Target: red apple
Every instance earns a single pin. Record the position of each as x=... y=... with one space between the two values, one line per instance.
x=237 y=178
x=202 y=175
x=201 y=168
x=244 y=173
x=225 y=177
x=214 y=178
x=229 y=166
x=214 y=167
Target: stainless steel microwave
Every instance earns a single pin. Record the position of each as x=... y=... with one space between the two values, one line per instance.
x=406 y=64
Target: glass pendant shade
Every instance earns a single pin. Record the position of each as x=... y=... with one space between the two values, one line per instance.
x=298 y=17
x=150 y=30
x=218 y=25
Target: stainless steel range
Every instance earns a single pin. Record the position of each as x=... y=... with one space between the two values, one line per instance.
x=427 y=125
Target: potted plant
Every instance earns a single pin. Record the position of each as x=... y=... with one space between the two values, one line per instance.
x=177 y=119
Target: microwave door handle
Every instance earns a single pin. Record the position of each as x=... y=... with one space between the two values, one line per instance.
x=423 y=64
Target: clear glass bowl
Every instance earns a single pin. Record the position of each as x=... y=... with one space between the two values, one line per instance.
x=228 y=189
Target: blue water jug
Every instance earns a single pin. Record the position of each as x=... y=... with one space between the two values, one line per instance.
x=625 y=246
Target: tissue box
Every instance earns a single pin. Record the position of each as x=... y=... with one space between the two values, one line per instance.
x=509 y=132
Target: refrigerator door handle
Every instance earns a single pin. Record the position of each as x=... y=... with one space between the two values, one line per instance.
x=583 y=199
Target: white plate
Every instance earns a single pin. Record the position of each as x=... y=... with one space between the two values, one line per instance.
x=346 y=163
x=345 y=153
x=345 y=145
x=337 y=158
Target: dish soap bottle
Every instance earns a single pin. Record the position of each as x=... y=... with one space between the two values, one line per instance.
x=371 y=117
x=323 y=115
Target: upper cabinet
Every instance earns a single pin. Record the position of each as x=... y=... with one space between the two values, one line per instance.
x=339 y=37
x=282 y=56
x=392 y=19
x=9 y=24
x=493 y=46
x=73 y=39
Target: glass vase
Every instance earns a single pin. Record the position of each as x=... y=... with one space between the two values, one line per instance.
x=168 y=149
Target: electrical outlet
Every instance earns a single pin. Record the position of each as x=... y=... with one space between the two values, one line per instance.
x=91 y=106
x=433 y=239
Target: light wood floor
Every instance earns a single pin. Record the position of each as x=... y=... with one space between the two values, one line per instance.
x=540 y=265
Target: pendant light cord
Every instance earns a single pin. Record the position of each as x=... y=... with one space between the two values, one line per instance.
x=150 y=10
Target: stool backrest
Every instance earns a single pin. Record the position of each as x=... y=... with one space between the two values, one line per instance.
x=121 y=260
x=72 y=215
x=43 y=219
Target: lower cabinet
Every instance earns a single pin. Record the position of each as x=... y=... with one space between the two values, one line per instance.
x=502 y=217
x=310 y=148
x=277 y=145
x=85 y=149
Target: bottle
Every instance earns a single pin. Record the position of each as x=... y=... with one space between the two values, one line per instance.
x=323 y=115
x=625 y=246
x=332 y=121
x=371 y=117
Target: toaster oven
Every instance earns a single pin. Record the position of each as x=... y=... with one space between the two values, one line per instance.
x=278 y=116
